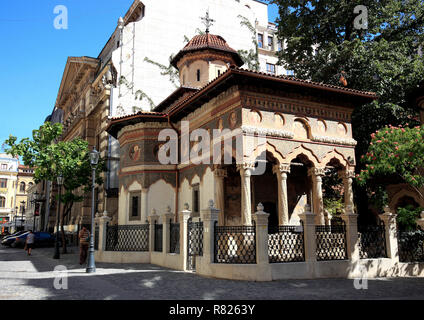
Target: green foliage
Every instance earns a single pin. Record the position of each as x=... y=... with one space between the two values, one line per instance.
x=251 y=57
x=395 y=151
x=50 y=158
x=406 y=217
x=170 y=71
x=139 y=94
x=334 y=206
x=333 y=190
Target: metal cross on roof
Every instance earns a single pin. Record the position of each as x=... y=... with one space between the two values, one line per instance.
x=207 y=21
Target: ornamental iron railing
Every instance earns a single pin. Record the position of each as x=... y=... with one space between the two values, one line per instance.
x=286 y=244
x=331 y=242
x=96 y=238
x=411 y=246
x=127 y=238
x=235 y=244
x=158 y=237
x=195 y=242
x=174 y=245
x=372 y=241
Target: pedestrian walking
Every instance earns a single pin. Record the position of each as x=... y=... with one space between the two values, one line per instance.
x=84 y=238
x=29 y=243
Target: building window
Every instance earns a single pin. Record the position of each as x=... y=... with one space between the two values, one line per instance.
x=270 y=43
x=196 y=200
x=219 y=73
x=2 y=202
x=22 y=187
x=3 y=183
x=280 y=47
x=260 y=40
x=30 y=185
x=134 y=206
x=4 y=166
x=198 y=74
x=270 y=68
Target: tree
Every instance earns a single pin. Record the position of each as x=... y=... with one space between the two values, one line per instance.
x=324 y=43
x=50 y=158
x=396 y=151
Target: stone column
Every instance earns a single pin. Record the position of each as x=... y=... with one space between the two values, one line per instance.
x=283 y=207
x=347 y=177
x=389 y=220
x=183 y=219
x=261 y=219
x=246 y=197
x=352 y=245
x=152 y=219
x=102 y=222
x=209 y=216
x=420 y=222
x=220 y=175
x=317 y=201
x=144 y=213
x=310 y=242
x=167 y=217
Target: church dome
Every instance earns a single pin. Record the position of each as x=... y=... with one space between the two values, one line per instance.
x=208 y=41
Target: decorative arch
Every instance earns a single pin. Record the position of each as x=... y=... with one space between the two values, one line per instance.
x=306 y=152
x=269 y=148
x=405 y=193
x=334 y=154
x=305 y=126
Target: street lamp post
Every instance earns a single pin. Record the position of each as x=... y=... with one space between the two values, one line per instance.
x=56 y=246
x=16 y=215
x=35 y=207
x=23 y=209
x=94 y=159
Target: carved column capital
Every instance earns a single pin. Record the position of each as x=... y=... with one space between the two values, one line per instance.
x=317 y=172
x=347 y=174
x=246 y=168
x=281 y=168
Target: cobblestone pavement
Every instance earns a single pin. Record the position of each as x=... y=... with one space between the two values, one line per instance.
x=25 y=277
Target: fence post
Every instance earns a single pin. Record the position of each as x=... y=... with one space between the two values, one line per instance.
x=166 y=231
x=261 y=219
x=310 y=239
x=183 y=219
x=103 y=221
x=389 y=220
x=352 y=246
x=152 y=219
x=420 y=222
x=209 y=216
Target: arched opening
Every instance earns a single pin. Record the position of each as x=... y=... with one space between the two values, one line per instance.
x=2 y=202
x=232 y=195
x=22 y=187
x=333 y=189
x=299 y=187
x=265 y=190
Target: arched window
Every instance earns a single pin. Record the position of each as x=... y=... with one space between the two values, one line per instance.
x=30 y=185
x=2 y=202
x=198 y=74
x=22 y=187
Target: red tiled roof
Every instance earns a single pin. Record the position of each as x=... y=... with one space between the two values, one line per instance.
x=207 y=41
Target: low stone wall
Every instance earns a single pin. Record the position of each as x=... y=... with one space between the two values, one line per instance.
x=122 y=257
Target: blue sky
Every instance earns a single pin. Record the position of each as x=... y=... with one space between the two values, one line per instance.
x=34 y=54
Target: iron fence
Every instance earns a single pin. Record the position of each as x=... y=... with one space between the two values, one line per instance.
x=127 y=238
x=174 y=230
x=96 y=238
x=195 y=242
x=411 y=246
x=235 y=244
x=372 y=241
x=331 y=242
x=286 y=244
x=158 y=237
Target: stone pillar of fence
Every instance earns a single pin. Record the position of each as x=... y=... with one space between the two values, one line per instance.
x=152 y=219
x=261 y=219
x=389 y=220
x=102 y=223
x=209 y=216
x=183 y=219
x=420 y=222
x=352 y=246
x=308 y=219
x=166 y=234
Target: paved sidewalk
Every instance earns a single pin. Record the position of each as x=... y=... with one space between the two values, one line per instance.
x=23 y=277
